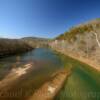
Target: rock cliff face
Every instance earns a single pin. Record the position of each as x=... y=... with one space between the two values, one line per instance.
x=81 y=42
x=12 y=46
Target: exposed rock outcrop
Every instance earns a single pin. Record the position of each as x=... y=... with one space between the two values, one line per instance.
x=81 y=42
x=12 y=46
x=50 y=89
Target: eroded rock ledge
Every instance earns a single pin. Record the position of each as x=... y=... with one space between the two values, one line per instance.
x=50 y=89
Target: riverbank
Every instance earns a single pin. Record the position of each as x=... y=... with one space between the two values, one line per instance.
x=81 y=59
x=12 y=46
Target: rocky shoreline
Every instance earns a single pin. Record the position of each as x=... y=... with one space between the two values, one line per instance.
x=13 y=46
x=50 y=89
x=78 y=57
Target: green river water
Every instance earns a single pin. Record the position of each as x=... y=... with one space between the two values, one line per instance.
x=83 y=83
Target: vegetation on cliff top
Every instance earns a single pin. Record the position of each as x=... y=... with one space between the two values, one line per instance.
x=81 y=29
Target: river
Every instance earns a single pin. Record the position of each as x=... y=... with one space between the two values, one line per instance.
x=44 y=63
x=82 y=84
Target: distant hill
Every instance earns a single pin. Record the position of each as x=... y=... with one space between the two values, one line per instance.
x=36 y=41
x=35 y=38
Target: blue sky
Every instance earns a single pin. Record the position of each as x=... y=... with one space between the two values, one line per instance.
x=44 y=18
